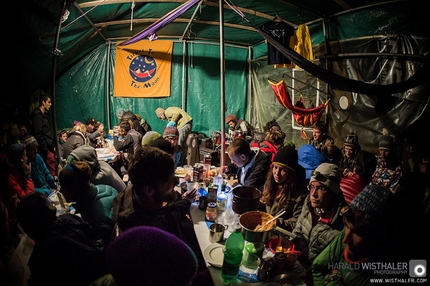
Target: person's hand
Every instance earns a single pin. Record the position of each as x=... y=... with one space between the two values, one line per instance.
x=28 y=170
x=191 y=196
x=171 y=124
x=223 y=170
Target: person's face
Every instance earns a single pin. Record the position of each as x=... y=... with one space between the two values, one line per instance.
x=47 y=104
x=424 y=165
x=384 y=154
x=32 y=153
x=348 y=150
x=122 y=132
x=319 y=195
x=232 y=124
x=356 y=243
x=317 y=134
x=280 y=174
x=63 y=137
x=173 y=140
x=24 y=159
x=90 y=128
x=165 y=191
x=237 y=159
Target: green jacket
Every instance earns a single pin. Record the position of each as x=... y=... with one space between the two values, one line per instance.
x=177 y=115
x=331 y=268
x=311 y=238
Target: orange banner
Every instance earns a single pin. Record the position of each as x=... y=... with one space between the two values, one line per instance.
x=143 y=69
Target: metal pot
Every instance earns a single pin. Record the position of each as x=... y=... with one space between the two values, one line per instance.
x=249 y=221
x=245 y=199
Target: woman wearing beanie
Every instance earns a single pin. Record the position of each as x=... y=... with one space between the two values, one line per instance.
x=320 y=221
x=285 y=188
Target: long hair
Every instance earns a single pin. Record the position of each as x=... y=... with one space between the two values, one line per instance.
x=290 y=189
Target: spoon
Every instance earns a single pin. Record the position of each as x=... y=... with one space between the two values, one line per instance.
x=270 y=220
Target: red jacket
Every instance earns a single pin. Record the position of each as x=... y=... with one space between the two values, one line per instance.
x=17 y=183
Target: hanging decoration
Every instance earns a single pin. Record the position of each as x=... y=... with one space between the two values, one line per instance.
x=303 y=116
x=150 y=31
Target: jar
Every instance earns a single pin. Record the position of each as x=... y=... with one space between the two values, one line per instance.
x=211 y=211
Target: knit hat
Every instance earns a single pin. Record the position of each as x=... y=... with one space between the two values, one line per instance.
x=327 y=174
x=140 y=255
x=159 y=111
x=75 y=174
x=386 y=142
x=149 y=137
x=91 y=121
x=231 y=117
x=286 y=157
x=310 y=158
x=351 y=140
x=119 y=112
x=371 y=200
x=162 y=144
x=170 y=131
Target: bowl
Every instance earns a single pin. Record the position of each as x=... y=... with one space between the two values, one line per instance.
x=286 y=248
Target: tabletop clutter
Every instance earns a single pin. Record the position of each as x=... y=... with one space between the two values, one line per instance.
x=245 y=242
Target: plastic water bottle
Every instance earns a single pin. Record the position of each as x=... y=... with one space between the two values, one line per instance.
x=221 y=199
x=232 y=256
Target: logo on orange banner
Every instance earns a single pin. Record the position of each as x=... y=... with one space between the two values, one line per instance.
x=143 y=69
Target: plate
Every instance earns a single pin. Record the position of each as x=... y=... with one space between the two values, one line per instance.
x=214 y=254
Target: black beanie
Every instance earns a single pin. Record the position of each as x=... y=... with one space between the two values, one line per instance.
x=286 y=157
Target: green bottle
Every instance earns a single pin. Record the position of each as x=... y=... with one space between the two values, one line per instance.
x=232 y=256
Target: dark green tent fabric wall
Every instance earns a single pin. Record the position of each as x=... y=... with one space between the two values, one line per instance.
x=86 y=90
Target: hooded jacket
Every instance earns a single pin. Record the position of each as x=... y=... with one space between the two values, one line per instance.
x=103 y=173
x=76 y=139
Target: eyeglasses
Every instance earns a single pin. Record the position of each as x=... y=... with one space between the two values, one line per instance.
x=172 y=138
x=319 y=189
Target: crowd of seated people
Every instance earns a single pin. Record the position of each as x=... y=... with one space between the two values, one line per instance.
x=324 y=190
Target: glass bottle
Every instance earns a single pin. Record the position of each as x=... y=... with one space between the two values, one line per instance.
x=232 y=256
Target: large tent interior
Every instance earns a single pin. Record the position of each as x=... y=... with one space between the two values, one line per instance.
x=370 y=63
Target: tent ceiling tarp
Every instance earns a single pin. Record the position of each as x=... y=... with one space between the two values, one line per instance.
x=87 y=24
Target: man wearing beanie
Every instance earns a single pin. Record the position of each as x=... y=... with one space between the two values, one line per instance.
x=370 y=235
x=320 y=221
x=146 y=255
x=388 y=164
x=285 y=188
x=171 y=134
x=179 y=118
x=238 y=125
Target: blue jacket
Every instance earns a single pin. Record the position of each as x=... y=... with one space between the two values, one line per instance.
x=42 y=179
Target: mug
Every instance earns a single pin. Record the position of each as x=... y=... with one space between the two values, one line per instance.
x=216 y=232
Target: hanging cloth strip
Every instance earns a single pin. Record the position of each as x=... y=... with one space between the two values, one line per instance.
x=150 y=31
x=303 y=116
